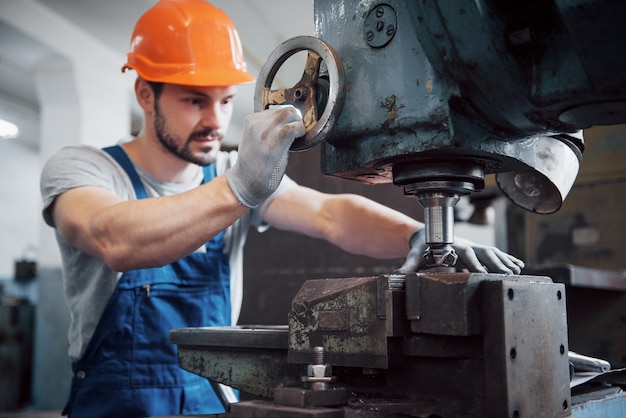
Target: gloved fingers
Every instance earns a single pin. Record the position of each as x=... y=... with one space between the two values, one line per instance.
x=469 y=259
x=263 y=153
x=498 y=261
x=413 y=261
x=411 y=265
x=274 y=125
x=474 y=257
x=291 y=120
x=292 y=130
x=494 y=263
x=514 y=264
x=494 y=259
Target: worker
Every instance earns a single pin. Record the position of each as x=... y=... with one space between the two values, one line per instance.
x=151 y=230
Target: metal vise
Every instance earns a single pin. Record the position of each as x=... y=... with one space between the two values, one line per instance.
x=447 y=345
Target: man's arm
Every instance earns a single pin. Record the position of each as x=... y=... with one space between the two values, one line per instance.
x=157 y=231
x=361 y=226
x=352 y=222
x=148 y=232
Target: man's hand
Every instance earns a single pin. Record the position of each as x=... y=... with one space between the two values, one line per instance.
x=263 y=152
x=474 y=257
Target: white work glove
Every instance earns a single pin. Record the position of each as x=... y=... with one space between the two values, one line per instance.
x=263 y=151
x=474 y=257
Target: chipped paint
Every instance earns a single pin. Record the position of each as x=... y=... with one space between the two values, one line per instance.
x=390 y=105
x=429 y=86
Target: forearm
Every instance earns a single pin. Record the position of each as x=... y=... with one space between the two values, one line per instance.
x=353 y=223
x=154 y=232
x=364 y=227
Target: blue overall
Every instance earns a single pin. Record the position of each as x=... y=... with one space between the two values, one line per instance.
x=130 y=369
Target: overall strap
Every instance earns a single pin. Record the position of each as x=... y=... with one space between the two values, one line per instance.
x=210 y=173
x=217 y=242
x=119 y=155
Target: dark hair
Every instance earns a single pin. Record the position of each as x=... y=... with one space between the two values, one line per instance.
x=157 y=89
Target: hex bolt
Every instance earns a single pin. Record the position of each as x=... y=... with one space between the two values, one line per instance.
x=319 y=375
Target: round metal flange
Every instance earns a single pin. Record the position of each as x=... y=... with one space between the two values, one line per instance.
x=310 y=93
x=439 y=171
x=380 y=25
x=448 y=187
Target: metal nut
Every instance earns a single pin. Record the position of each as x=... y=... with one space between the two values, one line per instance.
x=319 y=370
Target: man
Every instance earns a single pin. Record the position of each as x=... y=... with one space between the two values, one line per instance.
x=151 y=231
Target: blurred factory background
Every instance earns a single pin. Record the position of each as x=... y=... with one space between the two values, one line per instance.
x=60 y=84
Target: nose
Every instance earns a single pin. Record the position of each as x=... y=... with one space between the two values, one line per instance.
x=212 y=117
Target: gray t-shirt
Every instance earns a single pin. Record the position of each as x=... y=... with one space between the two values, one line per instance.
x=88 y=282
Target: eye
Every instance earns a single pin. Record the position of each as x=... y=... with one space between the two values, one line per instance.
x=227 y=101
x=195 y=101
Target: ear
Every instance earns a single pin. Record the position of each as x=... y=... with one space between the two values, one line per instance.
x=145 y=95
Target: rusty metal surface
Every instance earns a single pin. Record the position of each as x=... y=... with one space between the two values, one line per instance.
x=513 y=363
x=253 y=360
x=526 y=349
x=340 y=315
x=456 y=294
x=487 y=340
x=257 y=372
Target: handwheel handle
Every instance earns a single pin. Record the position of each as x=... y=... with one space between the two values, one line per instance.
x=309 y=92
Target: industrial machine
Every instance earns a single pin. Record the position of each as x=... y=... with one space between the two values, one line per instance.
x=433 y=96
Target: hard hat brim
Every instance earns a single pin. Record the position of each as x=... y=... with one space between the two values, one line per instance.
x=196 y=78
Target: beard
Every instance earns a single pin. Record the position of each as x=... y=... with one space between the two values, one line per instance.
x=182 y=148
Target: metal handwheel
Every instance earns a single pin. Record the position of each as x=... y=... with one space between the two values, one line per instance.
x=318 y=97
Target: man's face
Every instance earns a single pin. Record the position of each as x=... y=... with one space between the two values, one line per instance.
x=190 y=122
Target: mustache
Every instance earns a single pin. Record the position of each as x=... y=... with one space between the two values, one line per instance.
x=210 y=133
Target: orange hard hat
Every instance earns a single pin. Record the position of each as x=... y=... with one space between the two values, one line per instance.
x=188 y=42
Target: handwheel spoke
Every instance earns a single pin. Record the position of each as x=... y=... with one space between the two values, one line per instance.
x=311 y=68
x=275 y=97
x=307 y=88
